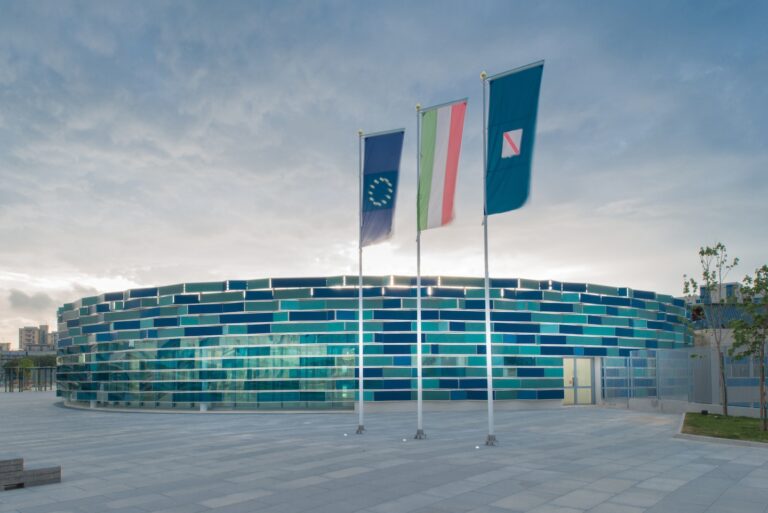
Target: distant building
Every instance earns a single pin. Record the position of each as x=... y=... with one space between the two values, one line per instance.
x=714 y=308
x=29 y=335
x=37 y=339
x=727 y=292
x=5 y=347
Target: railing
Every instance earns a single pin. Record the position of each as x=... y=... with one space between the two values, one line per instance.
x=19 y=379
x=635 y=376
x=686 y=375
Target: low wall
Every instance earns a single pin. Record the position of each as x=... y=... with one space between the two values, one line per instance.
x=672 y=406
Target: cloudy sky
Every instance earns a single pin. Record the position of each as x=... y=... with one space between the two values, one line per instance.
x=152 y=143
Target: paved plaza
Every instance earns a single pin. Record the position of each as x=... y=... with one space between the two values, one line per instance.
x=559 y=460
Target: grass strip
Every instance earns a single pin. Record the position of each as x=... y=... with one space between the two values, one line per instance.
x=735 y=428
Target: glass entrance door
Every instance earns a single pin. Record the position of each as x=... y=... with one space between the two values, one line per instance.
x=578 y=381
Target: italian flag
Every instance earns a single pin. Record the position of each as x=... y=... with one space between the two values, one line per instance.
x=441 y=130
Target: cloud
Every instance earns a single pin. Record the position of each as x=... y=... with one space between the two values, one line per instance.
x=30 y=302
x=155 y=143
x=97 y=41
x=7 y=70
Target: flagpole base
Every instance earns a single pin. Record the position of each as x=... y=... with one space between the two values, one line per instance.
x=420 y=435
x=360 y=430
x=491 y=440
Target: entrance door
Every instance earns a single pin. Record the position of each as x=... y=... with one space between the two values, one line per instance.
x=578 y=381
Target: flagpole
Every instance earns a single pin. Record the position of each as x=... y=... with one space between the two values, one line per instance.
x=491 y=439
x=360 y=354
x=420 y=435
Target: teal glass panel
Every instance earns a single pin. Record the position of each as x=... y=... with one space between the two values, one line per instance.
x=302 y=363
x=264 y=283
x=529 y=284
x=214 y=286
x=170 y=290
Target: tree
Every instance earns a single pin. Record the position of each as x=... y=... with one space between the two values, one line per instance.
x=19 y=363
x=43 y=360
x=750 y=333
x=20 y=368
x=715 y=266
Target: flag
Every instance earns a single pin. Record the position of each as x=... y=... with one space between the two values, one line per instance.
x=381 y=168
x=511 y=132
x=441 y=130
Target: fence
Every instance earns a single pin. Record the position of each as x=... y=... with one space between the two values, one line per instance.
x=17 y=379
x=659 y=378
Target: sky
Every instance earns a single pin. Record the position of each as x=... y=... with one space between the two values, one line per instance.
x=151 y=143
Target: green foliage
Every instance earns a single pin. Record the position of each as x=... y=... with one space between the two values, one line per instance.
x=715 y=267
x=750 y=334
x=20 y=363
x=28 y=362
x=44 y=360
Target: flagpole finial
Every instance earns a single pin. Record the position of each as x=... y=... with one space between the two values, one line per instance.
x=483 y=75
x=418 y=107
x=360 y=133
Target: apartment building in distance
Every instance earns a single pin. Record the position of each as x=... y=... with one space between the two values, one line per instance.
x=37 y=339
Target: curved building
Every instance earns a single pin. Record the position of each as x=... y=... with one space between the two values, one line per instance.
x=291 y=343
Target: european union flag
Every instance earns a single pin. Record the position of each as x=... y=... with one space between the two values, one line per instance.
x=381 y=169
x=512 y=113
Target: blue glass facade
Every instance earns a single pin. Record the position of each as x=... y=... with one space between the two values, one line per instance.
x=291 y=343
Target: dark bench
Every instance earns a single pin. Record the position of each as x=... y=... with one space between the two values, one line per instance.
x=13 y=475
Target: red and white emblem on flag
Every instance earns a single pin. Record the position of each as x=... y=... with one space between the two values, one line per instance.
x=510 y=147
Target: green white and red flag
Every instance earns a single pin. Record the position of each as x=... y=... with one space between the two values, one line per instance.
x=441 y=131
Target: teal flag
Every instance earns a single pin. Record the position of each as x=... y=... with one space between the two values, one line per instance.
x=514 y=104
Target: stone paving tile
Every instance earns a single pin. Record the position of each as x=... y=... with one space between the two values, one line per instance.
x=638 y=497
x=153 y=499
x=234 y=498
x=524 y=501
x=184 y=508
x=612 y=507
x=662 y=483
x=551 y=508
x=755 y=481
x=462 y=503
x=665 y=506
x=635 y=474
x=611 y=485
x=745 y=493
x=487 y=509
x=457 y=488
x=562 y=485
x=582 y=499
x=735 y=507
x=557 y=460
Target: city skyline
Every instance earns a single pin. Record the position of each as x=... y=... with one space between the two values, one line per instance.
x=155 y=144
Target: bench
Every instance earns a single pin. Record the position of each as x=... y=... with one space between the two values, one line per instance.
x=13 y=475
